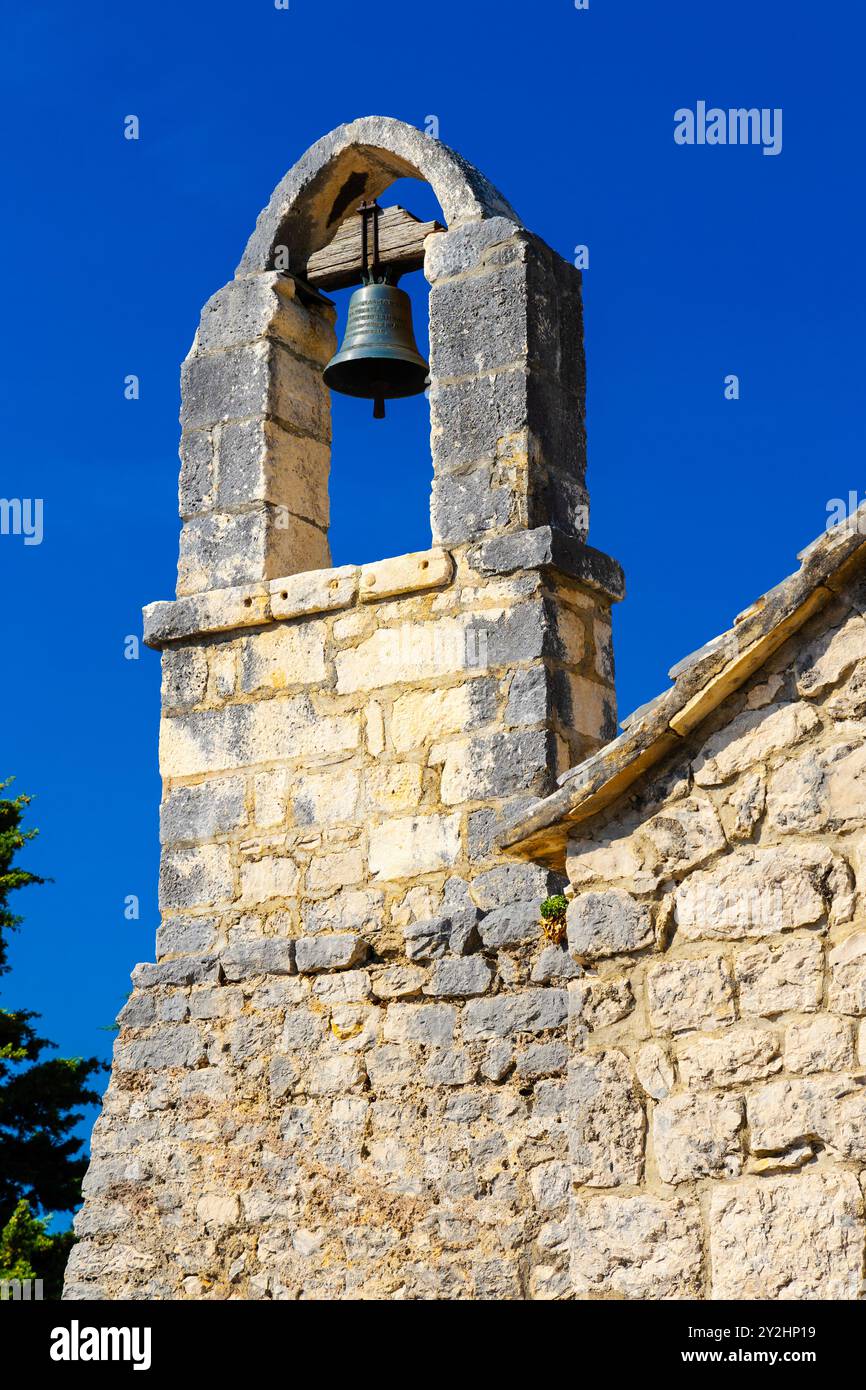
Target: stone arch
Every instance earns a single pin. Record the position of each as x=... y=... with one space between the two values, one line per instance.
x=356 y=161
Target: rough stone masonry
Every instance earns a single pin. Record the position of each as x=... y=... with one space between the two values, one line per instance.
x=357 y=1070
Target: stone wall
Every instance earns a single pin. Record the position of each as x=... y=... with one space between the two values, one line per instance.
x=343 y=1075
x=719 y=1141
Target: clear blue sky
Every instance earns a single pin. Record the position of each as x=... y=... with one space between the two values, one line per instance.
x=703 y=262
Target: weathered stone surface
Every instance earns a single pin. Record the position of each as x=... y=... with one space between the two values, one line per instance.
x=459 y=978
x=847 y=962
x=426 y=569
x=418 y=717
x=655 y=1071
x=823 y=1043
x=759 y=892
x=787 y=1239
x=270 y=956
x=430 y=1024
x=599 y=1003
x=192 y=876
x=832 y=655
x=829 y=1108
x=185 y=970
x=643 y=1247
x=690 y=994
x=531 y=1011
x=510 y=883
x=608 y=924
x=414 y=845
x=492 y=765
x=606 y=1121
x=739 y=1055
x=201 y=812
x=777 y=979
x=314 y=591
x=824 y=789
x=554 y=963
x=511 y=926
x=698 y=1136
x=169 y=1047
x=751 y=738
x=314 y=954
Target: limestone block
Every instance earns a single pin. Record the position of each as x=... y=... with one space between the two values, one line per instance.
x=405 y=574
x=398 y=787
x=427 y=939
x=532 y=1011
x=606 y=1121
x=600 y=1003
x=542 y=1059
x=832 y=655
x=237 y=736
x=655 y=1071
x=314 y=954
x=493 y=765
x=413 y=845
x=192 y=935
x=747 y=800
x=349 y=987
x=327 y=798
x=554 y=963
x=398 y=982
x=459 y=978
x=191 y=876
x=449 y=1067
x=270 y=792
x=608 y=924
x=430 y=1024
x=390 y=1068
x=420 y=717
x=510 y=926
x=264 y=305
x=829 y=1108
x=244 y=605
x=410 y=653
x=272 y=876
x=551 y=1185
x=201 y=812
x=169 y=1047
x=283 y=656
x=314 y=591
x=351 y=909
x=529 y=697
x=698 y=1136
x=752 y=737
x=642 y=1247
x=788 y=1238
x=823 y=1043
x=186 y=970
x=259 y=378
x=741 y=1054
x=821 y=790
x=759 y=892
x=333 y=1075
x=269 y=956
x=184 y=677
x=197 y=483
x=679 y=839
x=257 y=461
x=847 y=990
x=690 y=994
x=779 y=979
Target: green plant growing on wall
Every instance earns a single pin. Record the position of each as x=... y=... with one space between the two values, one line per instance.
x=553 y=924
x=41 y=1165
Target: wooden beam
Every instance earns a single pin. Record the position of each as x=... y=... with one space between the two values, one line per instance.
x=401 y=249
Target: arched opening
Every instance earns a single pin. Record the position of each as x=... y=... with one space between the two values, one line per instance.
x=382 y=470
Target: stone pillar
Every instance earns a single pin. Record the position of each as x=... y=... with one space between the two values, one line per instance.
x=256 y=424
x=507 y=385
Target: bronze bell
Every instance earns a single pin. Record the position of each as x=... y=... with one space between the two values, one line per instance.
x=379 y=359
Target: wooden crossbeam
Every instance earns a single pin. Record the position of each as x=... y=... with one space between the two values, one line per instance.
x=401 y=249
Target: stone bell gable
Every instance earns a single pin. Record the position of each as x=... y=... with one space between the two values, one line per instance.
x=344 y=1074
x=715 y=853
